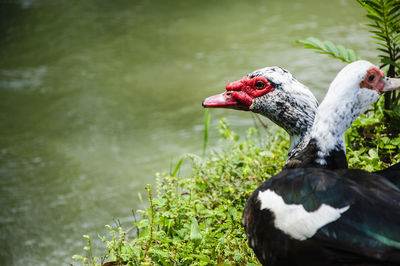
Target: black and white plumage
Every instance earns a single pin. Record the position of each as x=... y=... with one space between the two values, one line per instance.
x=313 y=216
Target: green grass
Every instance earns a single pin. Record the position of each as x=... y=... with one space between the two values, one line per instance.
x=196 y=219
x=206 y=130
x=372 y=144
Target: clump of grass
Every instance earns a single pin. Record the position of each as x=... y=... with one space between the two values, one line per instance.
x=197 y=219
x=370 y=145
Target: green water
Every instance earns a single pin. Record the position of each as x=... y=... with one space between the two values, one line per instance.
x=98 y=96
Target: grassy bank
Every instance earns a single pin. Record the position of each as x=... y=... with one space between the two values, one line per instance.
x=196 y=220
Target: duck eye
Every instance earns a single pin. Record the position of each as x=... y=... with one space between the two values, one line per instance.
x=371 y=77
x=259 y=84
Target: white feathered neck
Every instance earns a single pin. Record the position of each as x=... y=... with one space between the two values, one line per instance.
x=343 y=103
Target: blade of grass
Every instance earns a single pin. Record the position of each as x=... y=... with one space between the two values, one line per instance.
x=177 y=166
x=206 y=130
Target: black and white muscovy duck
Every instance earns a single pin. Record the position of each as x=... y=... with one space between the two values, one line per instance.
x=314 y=216
x=274 y=93
x=291 y=105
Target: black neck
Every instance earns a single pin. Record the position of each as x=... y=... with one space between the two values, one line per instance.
x=308 y=157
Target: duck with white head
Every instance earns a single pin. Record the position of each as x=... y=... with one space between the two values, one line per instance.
x=354 y=89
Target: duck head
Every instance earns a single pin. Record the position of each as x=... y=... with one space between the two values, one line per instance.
x=274 y=93
x=354 y=89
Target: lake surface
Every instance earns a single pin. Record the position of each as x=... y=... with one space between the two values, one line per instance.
x=98 y=96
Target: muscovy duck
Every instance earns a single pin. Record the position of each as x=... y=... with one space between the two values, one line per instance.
x=289 y=104
x=274 y=93
x=314 y=216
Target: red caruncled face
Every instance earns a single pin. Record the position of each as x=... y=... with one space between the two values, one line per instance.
x=373 y=80
x=239 y=94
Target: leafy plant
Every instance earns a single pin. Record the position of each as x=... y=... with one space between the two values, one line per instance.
x=384 y=16
x=196 y=220
x=369 y=145
x=327 y=47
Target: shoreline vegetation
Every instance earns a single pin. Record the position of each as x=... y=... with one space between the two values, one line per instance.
x=196 y=219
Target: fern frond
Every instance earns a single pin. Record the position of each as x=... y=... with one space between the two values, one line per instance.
x=327 y=47
x=384 y=50
x=375 y=17
x=386 y=61
x=386 y=17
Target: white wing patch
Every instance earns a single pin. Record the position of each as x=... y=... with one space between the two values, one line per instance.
x=293 y=219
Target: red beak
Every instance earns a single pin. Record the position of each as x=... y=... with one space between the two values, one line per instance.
x=224 y=100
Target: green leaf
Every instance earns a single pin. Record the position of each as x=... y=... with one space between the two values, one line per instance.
x=203 y=258
x=369 y=168
x=393 y=12
x=140 y=197
x=77 y=257
x=206 y=130
x=380 y=41
x=157 y=202
x=385 y=140
x=233 y=213
x=395 y=141
x=142 y=223
x=178 y=166
x=161 y=254
x=329 y=48
x=351 y=55
x=314 y=42
x=353 y=160
x=375 y=26
x=145 y=232
x=375 y=18
x=195 y=235
x=374 y=10
x=384 y=50
x=373 y=154
x=386 y=60
x=343 y=51
x=396 y=39
x=390 y=147
x=379 y=33
x=380 y=38
x=395 y=21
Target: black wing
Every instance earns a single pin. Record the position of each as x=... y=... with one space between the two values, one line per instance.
x=367 y=232
x=392 y=174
